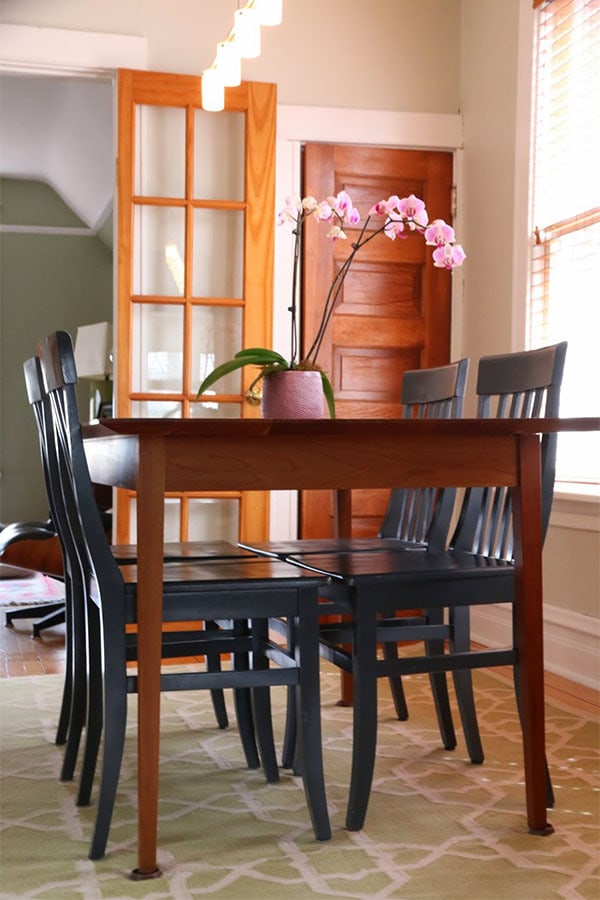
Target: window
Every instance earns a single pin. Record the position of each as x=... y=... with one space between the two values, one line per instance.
x=565 y=256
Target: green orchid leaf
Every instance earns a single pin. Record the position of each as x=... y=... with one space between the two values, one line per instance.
x=267 y=356
x=258 y=356
x=224 y=369
x=328 y=391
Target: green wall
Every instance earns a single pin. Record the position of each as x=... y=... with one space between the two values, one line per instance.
x=48 y=282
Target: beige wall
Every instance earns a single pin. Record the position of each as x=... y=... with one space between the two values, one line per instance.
x=381 y=54
x=489 y=94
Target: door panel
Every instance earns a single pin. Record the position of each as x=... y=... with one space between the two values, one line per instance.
x=195 y=267
x=394 y=309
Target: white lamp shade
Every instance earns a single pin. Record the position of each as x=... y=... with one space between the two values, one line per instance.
x=229 y=63
x=270 y=12
x=213 y=90
x=94 y=351
x=246 y=28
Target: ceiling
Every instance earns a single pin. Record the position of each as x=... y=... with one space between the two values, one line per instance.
x=60 y=131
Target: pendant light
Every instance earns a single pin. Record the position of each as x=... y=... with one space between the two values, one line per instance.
x=270 y=12
x=242 y=42
x=213 y=90
x=228 y=63
x=246 y=28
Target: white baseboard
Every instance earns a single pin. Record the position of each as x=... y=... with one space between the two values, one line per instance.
x=571 y=641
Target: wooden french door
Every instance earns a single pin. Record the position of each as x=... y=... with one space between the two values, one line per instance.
x=195 y=269
x=394 y=311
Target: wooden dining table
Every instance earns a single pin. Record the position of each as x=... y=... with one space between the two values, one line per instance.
x=153 y=456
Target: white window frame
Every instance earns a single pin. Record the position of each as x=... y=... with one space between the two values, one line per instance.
x=565 y=493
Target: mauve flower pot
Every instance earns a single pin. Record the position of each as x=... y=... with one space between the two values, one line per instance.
x=295 y=394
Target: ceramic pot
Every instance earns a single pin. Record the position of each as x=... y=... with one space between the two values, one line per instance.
x=295 y=394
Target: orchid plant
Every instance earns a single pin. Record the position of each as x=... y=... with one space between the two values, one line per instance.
x=399 y=218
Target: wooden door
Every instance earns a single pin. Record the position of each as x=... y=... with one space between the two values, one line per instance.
x=195 y=269
x=394 y=310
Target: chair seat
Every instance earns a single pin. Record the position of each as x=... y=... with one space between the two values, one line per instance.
x=176 y=550
x=390 y=566
x=283 y=549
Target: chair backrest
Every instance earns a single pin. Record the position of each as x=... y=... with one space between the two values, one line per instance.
x=40 y=404
x=422 y=515
x=103 y=580
x=513 y=385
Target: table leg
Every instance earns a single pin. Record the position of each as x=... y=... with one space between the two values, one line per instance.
x=527 y=507
x=342 y=509
x=150 y=535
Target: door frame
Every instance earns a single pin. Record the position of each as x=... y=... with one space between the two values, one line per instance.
x=296 y=125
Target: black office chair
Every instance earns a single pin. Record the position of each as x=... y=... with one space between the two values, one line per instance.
x=414 y=519
x=45 y=614
x=240 y=595
x=477 y=570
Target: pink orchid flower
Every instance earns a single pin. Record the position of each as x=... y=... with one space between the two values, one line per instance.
x=394 y=227
x=413 y=208
x=439 y=232
x=379 y=209
x=309 y=203
x=353 y=216
x=336 y=233
x=448 y=256
x=291 y=210
x=341 y=204
x=323 y=211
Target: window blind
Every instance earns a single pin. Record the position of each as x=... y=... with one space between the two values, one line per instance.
x=564 y=296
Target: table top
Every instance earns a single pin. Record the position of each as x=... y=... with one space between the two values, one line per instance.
x=331 y=427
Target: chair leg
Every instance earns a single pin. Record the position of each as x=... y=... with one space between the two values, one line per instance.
x=62 y=728
x=261 y=704
x=460 y=641
x=114 y=739
x=95 y=716
x=290 y=735
x=308 y=703
x=242 y=698
x=288 y=753
x=115 y=723
x=31 y=612
x=364 y=654
x=390 y=652
x=439 y=684
x=49 y=621
x=79 y=691
x=213 y=664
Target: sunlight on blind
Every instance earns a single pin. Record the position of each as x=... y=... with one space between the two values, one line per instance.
x=564 y=302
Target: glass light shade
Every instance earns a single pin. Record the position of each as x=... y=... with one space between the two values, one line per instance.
x=229 y=63
x=269 y=11
x=246 y=28
x=213 y=91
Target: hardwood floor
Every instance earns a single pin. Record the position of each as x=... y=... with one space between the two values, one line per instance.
x=21 y=654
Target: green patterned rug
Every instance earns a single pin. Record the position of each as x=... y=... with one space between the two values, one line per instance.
x=437 y=827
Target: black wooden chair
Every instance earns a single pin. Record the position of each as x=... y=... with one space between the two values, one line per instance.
x=75 y=692
x=239 y=596
x=74 y=704
x=477 y=570
x=414 y=519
